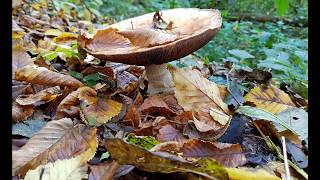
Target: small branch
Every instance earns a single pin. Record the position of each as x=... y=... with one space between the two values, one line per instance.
x=284 y=150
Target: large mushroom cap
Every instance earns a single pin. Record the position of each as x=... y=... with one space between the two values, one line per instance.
x=138 y=41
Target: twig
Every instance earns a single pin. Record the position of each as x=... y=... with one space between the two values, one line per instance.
x=274 y=148
x=284 y=150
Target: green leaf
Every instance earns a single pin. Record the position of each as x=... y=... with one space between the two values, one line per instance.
x=76 y=74
x=282 y=6
x=28 y=128
x=146 y=142
x=48 y=57
x=91 y=79
x=241 y=54
x=262 y=114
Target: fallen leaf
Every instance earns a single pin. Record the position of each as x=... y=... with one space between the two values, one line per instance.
x=297 y=120
x=99 y=110
x=21 y=113
x=156 y=105
x=194 y=92
x=105 y=170
x=39 y=98
x=262 y=77
x=20 y=58
x=230 y=155
x=68 y=106
x=146 y=142
x=70 y=169
x=27 y=128
x=297 y=154
x=250 y=174
x=126 y=82
x=169 y=133
x=262 y=114
x=20 y=89
x=43 y=76
x=269 y=98
x=162 y=162
x=148 y=37
x=57 y=140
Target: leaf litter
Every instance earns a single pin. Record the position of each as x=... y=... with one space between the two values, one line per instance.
x=193 y=132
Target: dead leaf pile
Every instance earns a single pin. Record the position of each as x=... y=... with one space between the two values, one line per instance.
x=77 y=116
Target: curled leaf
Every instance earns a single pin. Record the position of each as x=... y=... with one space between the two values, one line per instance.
x=43 y=76
x=21 y=113
x=39 y=98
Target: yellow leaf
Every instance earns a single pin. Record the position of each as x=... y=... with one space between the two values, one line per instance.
x=99 y=110
x=270 y=99
x=53 y=32
x=250 y=174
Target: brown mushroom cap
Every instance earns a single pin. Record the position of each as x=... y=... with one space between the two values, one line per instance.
x=135 y=41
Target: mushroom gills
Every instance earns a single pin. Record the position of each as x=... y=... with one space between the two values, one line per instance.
x=159 y=79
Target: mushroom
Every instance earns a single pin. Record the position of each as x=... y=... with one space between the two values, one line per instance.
x=142 y=41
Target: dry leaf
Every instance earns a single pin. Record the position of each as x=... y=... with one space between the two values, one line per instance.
x=127 y=82
x=156 y=105
x=230 y=155
x=148 y=37
x=39 y=98
x=194 y=92
x=43 y=76
x=270 y=99
x=66 y=169
x=57 y=140
x=20 y=89
x=20 y=58
x=99 y=110
x=105 y=171
x=21 y=113
x=68 y=106
x=162 y=162
x=169 y=133
x=250 y=174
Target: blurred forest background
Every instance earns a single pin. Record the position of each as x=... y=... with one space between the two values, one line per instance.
x=265 y=34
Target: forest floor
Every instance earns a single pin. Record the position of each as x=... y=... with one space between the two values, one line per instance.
x=238 y=111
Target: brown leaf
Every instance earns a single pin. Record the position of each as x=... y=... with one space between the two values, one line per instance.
x=21 y=113
x=269 y=98
x=262 y=77
x=99 y=110
x=169 y=133
x=68 y=106
x=20 y=58
x=155 y=105
x=105 y=171
x=57 y=140
x=162 y=162
x=230 y=155
x=195 y=92
x=20 y=89
x=132 y=118
x=148 y=37
x=127 y=82
x=39 y=98
x=43 y=76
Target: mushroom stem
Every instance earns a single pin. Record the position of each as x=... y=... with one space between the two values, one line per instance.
x=159 y=78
